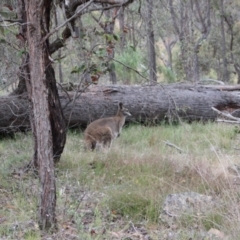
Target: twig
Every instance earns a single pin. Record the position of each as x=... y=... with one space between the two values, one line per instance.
x=12 y=20
x=173 y=146
x=133 y=69
x=79 y=203
x=227 y=115
x=12 y=24
x=227 y=121
x=68 y=24
x=212 y=80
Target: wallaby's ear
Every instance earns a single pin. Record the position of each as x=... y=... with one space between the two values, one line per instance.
x=120 y=105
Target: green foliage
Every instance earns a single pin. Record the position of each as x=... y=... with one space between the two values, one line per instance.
x=16 y=154
x=21 y=52
x=1 y=30
x=168 y=74
x=213 y=220
x=131 y=59
x=6 y=12
x=177 y=63
x=78 y=69
x=32 y=235
x=133 y=205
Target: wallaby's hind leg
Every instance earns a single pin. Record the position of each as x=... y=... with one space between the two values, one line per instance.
x=107 y=143
x=107 y=138
x=90 y=144
x=93 y=145
x=102 y=138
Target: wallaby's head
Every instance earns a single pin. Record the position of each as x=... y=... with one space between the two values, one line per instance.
x=122 y=111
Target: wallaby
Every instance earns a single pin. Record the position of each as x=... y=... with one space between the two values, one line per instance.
x=101 y=132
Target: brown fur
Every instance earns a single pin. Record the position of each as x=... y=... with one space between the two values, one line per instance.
x=102 y=132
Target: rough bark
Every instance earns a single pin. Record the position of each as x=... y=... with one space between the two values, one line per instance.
x=47 y=123
x=146 y=103
x=37 y=93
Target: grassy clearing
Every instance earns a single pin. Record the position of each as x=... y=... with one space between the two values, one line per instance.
x=101 y=195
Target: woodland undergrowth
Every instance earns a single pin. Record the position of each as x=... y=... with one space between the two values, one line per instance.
x=118 y=193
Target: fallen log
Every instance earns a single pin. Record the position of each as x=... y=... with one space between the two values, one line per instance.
x=153 y=104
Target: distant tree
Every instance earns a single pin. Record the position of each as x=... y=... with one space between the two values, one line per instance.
x=225 y=72
x=190 y=20
x=230 y=41
x=151 y=41
x=122 y=27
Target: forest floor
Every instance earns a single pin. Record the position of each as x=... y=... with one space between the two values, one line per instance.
x=119 y=193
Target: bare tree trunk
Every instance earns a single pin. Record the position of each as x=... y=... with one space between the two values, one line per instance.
x=108 y=29
x=205 y=22
x=48 y=124
x=155 y=103
x=60 y=73
x=237 y=69
x=230 y=22
x=225 y=74
x=122 y=30
x=151 y=43
x=132 y=35
x=185 y=41
x=57 y=120
x=168 y=45
x=38 y=94
x=24 y=68
x=181 y=26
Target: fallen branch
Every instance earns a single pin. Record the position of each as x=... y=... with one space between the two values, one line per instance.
x=173 y=146
x=227 y=121
x=227 y=115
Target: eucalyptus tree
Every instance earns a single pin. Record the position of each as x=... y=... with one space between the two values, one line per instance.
x=37 y=78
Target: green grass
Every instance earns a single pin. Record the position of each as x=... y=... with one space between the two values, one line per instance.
x=101 y=193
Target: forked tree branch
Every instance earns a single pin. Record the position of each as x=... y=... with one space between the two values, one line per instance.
x=67 y=21
x=74 y=5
